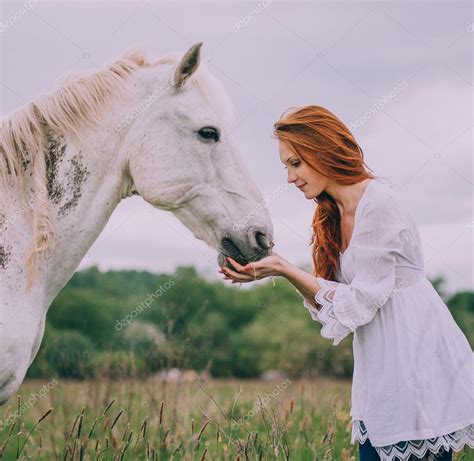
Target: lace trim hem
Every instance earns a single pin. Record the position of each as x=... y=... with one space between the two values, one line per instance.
x=403 y=450
x=359 y=432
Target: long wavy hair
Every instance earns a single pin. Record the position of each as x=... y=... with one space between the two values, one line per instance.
x=326 y=145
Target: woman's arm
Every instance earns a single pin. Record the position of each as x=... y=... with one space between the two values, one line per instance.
x=305 y=283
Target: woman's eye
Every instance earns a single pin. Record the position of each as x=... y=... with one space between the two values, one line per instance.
x=295 y=164
x=209 y=133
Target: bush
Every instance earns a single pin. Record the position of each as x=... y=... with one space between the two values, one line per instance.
x=69 y=354
x=146 y=341
x=118 y=364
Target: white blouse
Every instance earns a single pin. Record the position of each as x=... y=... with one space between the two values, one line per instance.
x=413 y=380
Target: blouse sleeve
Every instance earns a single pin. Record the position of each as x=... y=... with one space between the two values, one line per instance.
x=344 y=307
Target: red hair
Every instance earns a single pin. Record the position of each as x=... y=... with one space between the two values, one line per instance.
x=326 y=145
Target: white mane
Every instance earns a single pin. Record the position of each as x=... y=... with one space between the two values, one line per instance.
x=79 y=101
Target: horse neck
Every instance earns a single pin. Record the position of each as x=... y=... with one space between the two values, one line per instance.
x=86 y=180
x=96 y=180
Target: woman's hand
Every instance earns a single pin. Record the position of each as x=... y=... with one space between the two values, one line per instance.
x=266 y=267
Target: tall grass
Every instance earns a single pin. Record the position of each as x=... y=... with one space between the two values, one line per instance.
x=155 y=420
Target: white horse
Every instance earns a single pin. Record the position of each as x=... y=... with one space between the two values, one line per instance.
x=161 y=130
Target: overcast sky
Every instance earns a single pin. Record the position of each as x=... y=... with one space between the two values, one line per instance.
x=406 y=65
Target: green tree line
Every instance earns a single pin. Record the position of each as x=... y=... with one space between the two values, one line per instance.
x=136 y=323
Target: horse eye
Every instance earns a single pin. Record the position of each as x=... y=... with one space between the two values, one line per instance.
x=209 y=133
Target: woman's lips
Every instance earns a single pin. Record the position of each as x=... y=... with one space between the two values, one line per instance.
x=301 y=187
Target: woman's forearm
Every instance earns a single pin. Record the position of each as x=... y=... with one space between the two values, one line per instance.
x=305 y=283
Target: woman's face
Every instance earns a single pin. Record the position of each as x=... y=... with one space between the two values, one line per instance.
x=308 y=181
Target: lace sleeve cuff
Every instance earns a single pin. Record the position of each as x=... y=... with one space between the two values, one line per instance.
x=332 y=328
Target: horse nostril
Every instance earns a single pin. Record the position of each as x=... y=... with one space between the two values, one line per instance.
x=254 y=244
x=262 y=240
x=229 y=248
x=259 y=240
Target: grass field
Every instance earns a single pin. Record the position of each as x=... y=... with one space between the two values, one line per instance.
x=155 y=420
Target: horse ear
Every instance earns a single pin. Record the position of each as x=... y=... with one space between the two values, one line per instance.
x=188 y=65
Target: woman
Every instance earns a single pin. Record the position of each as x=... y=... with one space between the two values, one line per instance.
x=413 y=383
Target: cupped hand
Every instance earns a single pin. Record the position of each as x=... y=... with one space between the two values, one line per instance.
x=266 y=267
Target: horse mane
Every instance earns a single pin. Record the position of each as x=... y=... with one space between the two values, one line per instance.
x=80 y=101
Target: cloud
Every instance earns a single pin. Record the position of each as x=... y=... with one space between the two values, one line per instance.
x=344 y=56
